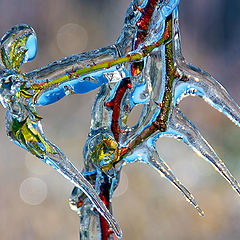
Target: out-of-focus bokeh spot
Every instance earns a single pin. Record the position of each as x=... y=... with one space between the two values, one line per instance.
x=33 y=191
x=72 y=38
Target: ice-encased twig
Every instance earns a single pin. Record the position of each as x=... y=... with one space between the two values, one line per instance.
x=68 y=75
x=66 y=68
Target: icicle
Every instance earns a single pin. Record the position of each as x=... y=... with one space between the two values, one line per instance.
x=182 y=129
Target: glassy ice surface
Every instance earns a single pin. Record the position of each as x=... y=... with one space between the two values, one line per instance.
x=144 y=67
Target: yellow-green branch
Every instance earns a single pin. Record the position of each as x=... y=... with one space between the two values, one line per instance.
x=131 y=57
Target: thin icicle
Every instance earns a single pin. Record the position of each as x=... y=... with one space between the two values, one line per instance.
x=161 y=166
x=182 y=129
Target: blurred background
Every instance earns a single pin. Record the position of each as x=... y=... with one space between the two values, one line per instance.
x=34 y=198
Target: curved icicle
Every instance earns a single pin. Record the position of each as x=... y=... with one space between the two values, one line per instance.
x=29 y=135
x=59 y=162
x=199 y=82
x=202 y=84
x=161 y=166
x=182 y=129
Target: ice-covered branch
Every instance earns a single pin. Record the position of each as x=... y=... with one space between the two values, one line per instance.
x=144 y=67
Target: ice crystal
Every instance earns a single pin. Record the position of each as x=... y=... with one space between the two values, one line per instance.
x=144 y=67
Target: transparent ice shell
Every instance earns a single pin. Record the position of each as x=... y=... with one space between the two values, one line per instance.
x=157 y=81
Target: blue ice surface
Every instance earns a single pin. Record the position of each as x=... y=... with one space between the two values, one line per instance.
x=169 y=8
x=78 y=85
x=187 y=89
x=136 y=97
x=31 y=46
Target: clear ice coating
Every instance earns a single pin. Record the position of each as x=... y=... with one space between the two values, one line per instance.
x=144 y=67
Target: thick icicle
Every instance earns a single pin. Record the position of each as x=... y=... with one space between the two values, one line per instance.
x=202 y=84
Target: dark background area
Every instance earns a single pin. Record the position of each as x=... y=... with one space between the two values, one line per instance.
x=34 y=199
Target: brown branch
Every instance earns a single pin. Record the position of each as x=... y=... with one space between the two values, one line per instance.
x=160 y=124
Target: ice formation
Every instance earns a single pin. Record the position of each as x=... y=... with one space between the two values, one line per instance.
x=145 y=66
